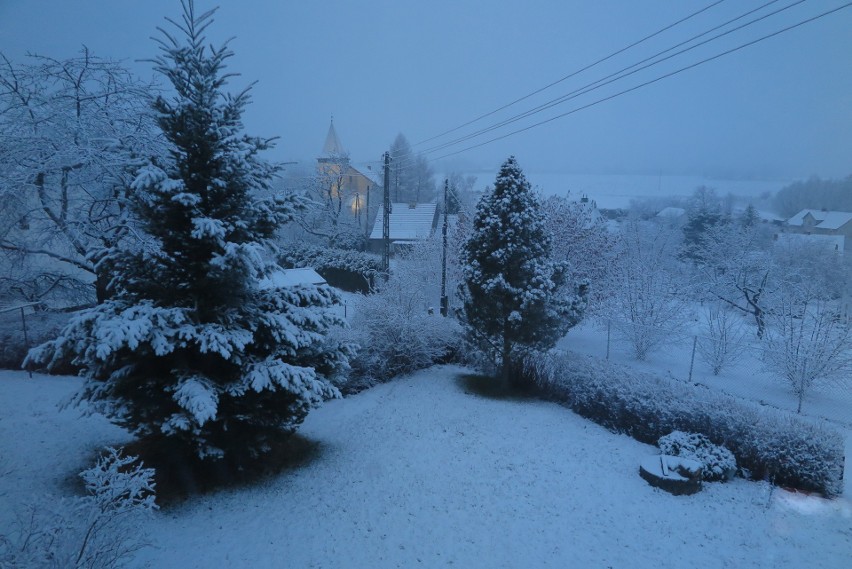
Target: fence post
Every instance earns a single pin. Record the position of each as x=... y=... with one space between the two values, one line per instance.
x=608 y=326
x=692 y=359
x=26 y=338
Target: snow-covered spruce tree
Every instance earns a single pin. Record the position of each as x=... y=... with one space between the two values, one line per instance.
x=515 y=298
x=196 y=347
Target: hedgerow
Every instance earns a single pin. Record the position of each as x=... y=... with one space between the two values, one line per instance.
x=346 y=269
x=768 y=443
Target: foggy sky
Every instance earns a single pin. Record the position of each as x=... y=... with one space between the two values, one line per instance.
x=779 y=109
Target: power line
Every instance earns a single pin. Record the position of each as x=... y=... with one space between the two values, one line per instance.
x=650 y=82
x=622 y=73
x=572 y=74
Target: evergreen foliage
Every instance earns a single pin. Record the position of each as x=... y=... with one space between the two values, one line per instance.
x=412 y=179
x=514 y=298
x=704 y=214
x=749 y=217
x=195 y=344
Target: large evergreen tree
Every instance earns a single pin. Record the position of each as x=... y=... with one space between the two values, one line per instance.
x=198 y=345
x=515 y=297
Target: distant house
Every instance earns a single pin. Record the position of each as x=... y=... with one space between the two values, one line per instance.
x=408 y=223
x=831 y=230
x=821 y=222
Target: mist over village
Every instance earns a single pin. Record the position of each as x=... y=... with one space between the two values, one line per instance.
x=445 y=284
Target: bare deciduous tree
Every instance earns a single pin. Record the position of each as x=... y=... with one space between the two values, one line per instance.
x=808 y=341
x=71 y=134
x=646 y=297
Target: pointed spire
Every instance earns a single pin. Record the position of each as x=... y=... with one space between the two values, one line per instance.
x=332 y=144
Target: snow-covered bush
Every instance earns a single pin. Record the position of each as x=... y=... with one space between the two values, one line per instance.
x=718 y=463
x=766 y=442
x=98 y=531
x=398 y=334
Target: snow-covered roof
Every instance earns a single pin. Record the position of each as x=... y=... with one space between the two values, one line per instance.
x=671 y=212
x=828 y=242
x=292 y=277
x=372 y=175
x=407 y=221
x=824 y=219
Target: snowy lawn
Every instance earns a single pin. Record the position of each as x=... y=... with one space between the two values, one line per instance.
x=418 y=472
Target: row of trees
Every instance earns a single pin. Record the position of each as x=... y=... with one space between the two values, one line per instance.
x=791 y=288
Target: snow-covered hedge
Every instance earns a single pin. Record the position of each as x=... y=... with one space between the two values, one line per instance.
x=768 y=443
x=342 y=268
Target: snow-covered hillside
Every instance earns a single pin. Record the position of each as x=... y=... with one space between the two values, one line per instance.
x=423 y=472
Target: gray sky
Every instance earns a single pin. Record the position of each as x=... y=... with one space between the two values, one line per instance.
x=779 y=109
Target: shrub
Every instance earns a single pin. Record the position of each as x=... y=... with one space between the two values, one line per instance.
x=98 y=531
x=397 y=334
x=766 y=442
x=718 y=462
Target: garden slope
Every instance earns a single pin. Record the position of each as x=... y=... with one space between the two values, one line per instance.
x=419 y=473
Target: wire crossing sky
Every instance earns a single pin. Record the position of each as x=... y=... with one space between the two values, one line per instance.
x=780 y=108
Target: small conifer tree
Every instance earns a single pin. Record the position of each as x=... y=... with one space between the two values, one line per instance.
x=197 y=345
x=515 y=297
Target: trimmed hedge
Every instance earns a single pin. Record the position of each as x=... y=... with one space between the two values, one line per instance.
x=345 y=269
x=768 y=443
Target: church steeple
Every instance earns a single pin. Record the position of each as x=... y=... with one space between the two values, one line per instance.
x=332 y=146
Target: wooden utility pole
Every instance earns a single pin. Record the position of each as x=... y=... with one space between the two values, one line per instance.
x=386 y=220
x=445 y=302
x=367 y=216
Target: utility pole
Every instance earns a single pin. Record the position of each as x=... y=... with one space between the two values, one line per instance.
x=386 y=220
x=445 y=302
x=367 y=216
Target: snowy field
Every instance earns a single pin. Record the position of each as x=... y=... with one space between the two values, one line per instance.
x=421 y=473
x=617 y=191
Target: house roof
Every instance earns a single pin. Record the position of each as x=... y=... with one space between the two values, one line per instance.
x=671 y=212
x=824 y=219
x=292 y=277
x=370 y=174
x=407 y=221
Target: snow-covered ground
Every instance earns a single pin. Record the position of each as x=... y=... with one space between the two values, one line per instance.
x=419 y=472
x=617 y=191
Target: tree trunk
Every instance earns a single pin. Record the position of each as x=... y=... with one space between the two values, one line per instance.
x=101 y=294
x=506 y=364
